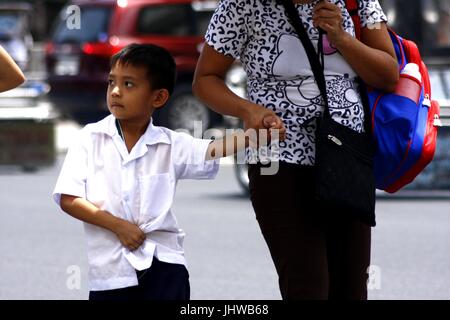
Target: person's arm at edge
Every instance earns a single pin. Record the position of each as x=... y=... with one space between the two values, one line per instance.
x=11 y=75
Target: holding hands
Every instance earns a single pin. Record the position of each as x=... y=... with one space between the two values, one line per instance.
x=260 y=125
x=259 y=117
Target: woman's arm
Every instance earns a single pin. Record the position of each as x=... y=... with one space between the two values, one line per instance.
x=209 y=86
x=373 y=58
x=10 y=75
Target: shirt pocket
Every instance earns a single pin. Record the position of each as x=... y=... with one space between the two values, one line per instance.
x=156 y=196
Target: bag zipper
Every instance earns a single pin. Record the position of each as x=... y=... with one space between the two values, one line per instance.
x=350 y=149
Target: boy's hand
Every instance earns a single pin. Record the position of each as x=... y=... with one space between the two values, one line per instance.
x=130 y=235
x=270 y=122
x=251 y=139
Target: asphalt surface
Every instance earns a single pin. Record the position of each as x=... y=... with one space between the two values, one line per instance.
x=42 y=249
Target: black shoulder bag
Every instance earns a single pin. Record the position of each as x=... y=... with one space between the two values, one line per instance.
x=344 y=162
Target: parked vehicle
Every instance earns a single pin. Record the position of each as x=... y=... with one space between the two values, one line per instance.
x=77 y=59
x=15 y=35
x=432 y=34
x=27 y=125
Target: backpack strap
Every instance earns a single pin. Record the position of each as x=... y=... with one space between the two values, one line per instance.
x=352 y=8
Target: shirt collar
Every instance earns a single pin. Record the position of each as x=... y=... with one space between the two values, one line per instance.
x=153 y=134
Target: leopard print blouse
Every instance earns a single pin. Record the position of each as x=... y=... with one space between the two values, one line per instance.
x=279 y=76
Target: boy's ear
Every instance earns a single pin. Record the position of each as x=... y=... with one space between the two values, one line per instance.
x=160 y=98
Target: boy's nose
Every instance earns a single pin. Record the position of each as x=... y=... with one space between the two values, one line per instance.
x=115 y=91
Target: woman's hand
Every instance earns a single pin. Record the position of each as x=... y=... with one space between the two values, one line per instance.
x=328 y=17
x=372 y=57
x=258 y=117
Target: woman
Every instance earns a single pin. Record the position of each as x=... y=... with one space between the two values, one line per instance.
x=318 y=252
x=10 y=76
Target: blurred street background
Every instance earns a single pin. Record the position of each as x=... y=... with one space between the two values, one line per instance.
x=227 y=256
x=65 y=54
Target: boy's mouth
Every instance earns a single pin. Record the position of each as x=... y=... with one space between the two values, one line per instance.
x=116 y=105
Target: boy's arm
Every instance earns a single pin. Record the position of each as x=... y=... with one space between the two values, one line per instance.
x=129 y=234
x=11 y=75
x=235 y=142
x=228 y=145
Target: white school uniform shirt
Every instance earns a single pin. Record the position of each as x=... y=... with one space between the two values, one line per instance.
x=138 y=186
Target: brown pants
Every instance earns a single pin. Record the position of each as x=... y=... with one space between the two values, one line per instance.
x=318 y=252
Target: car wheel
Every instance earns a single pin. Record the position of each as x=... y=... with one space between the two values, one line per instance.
x=184 y=109
x=241 y=171
x=29 y=169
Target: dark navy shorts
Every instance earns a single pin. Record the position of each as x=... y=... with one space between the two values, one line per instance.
x=162 y=281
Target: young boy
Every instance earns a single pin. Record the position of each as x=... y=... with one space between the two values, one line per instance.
x=120 y=179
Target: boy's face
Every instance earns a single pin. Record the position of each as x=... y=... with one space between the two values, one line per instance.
x=130 y=96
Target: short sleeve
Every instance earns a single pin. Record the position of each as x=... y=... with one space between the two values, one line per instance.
x=370 y=13
x=227 y=31
x=189 y=158
x=73 y=175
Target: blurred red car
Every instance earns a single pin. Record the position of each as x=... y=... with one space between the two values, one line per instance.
x=77 y=57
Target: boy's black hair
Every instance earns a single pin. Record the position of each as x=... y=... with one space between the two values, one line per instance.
x=160 y=65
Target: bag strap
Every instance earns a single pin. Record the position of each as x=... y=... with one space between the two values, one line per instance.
x=318 y=67
x=352 y=7
x=313 y=57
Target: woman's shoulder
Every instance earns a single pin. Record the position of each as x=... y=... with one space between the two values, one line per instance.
x=234 y=2
x=370 y=11
x=368 y=4
x=246 y=4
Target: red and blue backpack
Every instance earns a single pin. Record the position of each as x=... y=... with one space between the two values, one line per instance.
x=404 y=132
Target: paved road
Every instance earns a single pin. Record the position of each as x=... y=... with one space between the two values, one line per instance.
x=42 y=249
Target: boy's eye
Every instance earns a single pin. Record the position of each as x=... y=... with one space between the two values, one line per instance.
x=128 y=84
x=110 y=82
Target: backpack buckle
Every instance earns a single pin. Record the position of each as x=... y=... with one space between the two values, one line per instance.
x=437 y=122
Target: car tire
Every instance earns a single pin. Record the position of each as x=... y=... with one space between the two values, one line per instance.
x=183 y=109
x=29 y=169
x=241 y=171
